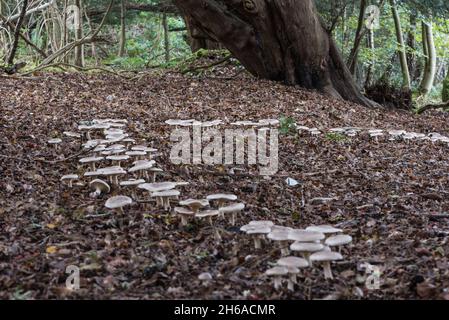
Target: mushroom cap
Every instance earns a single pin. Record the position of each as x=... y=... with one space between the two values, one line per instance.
x=100 y=184
x=70 y=177
x=118 y=157
x=205 y=276
x=132 y=182
x=276 y=228
x=92 y=173
x=222 y=196
x=112 y=152
x=305 y=235
x=277 y=271
x=293 y=262
x=90 y=159
x=166 y=193
x=118 y=202
x=258 y=230
x=157 y=186
x=71 y=134
x=198 y=202
x=116 y=146
x=207 y=213
x=54 y=141
x=324 y=229
x=326 y=256
x=142 y=166
x=112 y=171
x=267 y=223
x=112 y=131
x=180 y=183
x=182 y=210
x=136 y=153
x=235 y=207
x=306 y=246
x=278 y=235
x=338 y=240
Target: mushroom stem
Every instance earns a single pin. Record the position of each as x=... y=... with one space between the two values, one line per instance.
x=233 y=218
x=184 y=220
x=293 y=278
x=327 y=270
x=290 y=285
x=257 y=242
x=70 y=183
x=277 y=282
x=306 y=256
x=284 y=249
x=92 y=166
x=217 y=235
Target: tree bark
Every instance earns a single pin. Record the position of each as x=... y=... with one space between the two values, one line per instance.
x=282 y=40
x=431 y=59
x=198 y=39
x=166 y=38
x=79 y=50
x=354 y=55
x=12 y=52
x=406 y=84
x=121 y=51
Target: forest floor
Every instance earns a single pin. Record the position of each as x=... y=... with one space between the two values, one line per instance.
x=392 y=197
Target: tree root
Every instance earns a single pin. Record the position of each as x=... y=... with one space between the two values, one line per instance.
x=443 y=105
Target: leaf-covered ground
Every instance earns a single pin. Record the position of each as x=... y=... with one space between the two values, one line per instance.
x=392 y=197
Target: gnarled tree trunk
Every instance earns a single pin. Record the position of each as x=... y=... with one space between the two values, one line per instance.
x=282 y=40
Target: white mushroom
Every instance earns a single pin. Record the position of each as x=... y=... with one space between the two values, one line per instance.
x=208 y=214
x=258 y=232
x=70 y=178
x=233 y=209
x=194 y=204
x=118 y=202
x=99 y=186
x=91 y=161
x=282 y=237
x=112 y=173
x=338 y=241
x=132 y=183
x=293 y=264
x=164 y=197
x=326 y=229
x=326 y=257
x=117 y=159
x=184 y=213
x=55 y=142
x=221 y=198
x=306 y=248
x=277 y=273
x=142 y=168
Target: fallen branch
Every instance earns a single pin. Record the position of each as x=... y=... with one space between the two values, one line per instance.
x=443 y=105
x=31 y=11
x=216 y=63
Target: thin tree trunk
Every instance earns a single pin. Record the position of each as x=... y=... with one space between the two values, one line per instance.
x=431 y=59
x=406 y=84
x=12 y=53
x=353 y=56
x=64 y=29
x=166 y=38
x=370 y=69
x=411 y=43
x=79 y=50
x=121 y=52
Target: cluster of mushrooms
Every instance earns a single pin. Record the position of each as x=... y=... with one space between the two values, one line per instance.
x=392 y=134
x=115 y=161
x=314 y=244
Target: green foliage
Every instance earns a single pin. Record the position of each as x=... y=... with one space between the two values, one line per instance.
x=287 y=125
x=336 y=137
x=445 y=95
